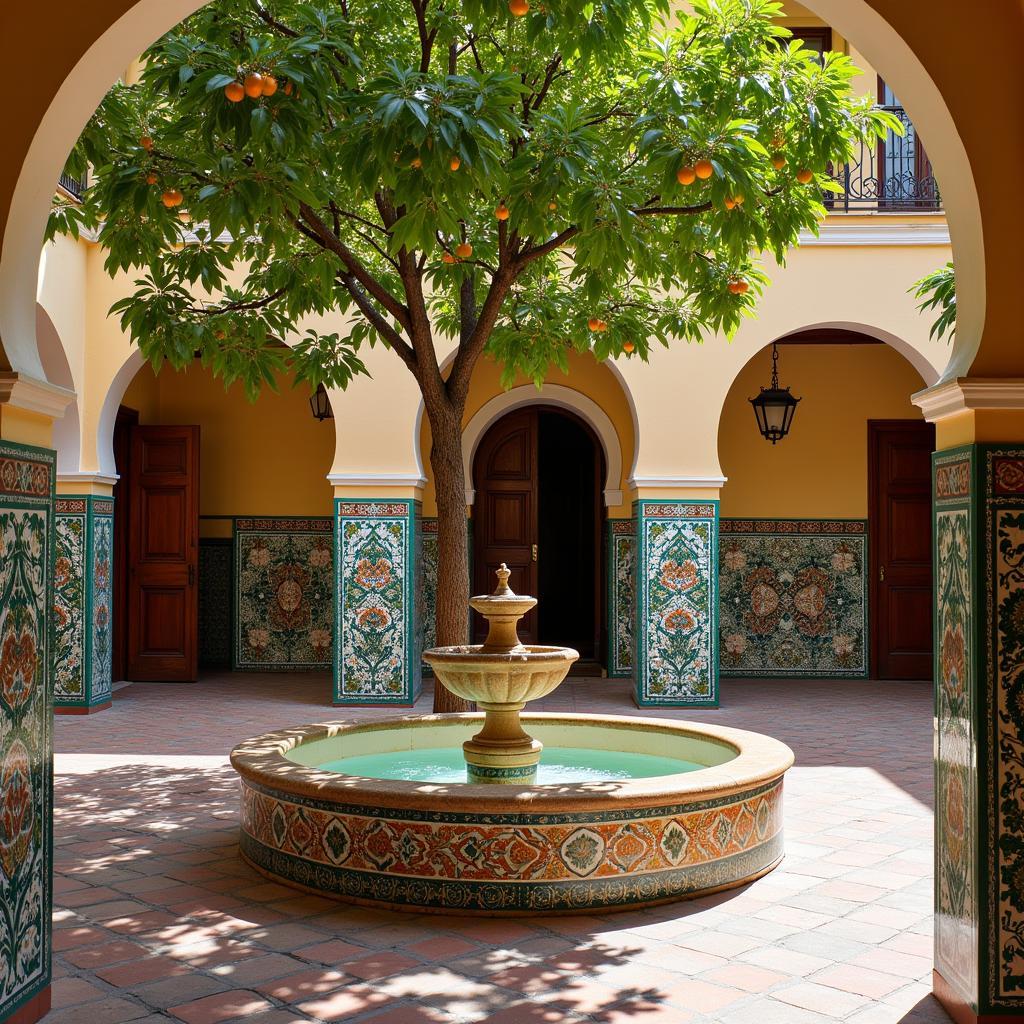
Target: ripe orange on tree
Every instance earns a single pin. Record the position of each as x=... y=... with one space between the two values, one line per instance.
x=552 y=205
x=253 y=85
x=778 y=161
x=146 y=142
x=518 y=7
x=501 y=212
x=703 y=169
x=288 y=88
x=628 y=347
x=805 y=176
x=235 y=92
x=730 y=203
x=151 y=178
x=171 y=198
x=594 y=323
x=455 y=163
x=686 y=175
x=463 y=250
x=447 y=257
x=269 y=85
x=416 y=163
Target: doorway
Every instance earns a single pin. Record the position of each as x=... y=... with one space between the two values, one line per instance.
x=538 y=476
x=900 y=547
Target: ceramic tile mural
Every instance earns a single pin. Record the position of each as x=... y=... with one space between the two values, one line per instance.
x=377 y=658
x=82 y=595
x=621 y=596
x=793 y=597
x=551 y=861
x=283 y=593
x=26 y=799
x=956 y=926
x=428 y=579
x=216 y=602
x=677 y=570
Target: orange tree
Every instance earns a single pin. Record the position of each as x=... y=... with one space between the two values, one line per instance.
x=519 y=179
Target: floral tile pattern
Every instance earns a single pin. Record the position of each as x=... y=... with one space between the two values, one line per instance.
x=428 y=579
x=956 y=926
x=377 y=659
x=793 y=597
x=621 y=595
x=26 y=746
x=82 y=595
x=283 y=593
x=676 y=639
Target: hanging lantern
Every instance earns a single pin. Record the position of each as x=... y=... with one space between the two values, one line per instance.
x=321 y=404
x=775 y=406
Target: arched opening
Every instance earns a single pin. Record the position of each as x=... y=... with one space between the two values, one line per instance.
x=537 y=474
x=826 y=535
x=66 y=430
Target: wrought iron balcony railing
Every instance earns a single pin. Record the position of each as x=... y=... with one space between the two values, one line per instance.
x=74 y=186
x=893 y=175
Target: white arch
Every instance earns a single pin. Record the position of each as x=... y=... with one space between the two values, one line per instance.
x=561 y=398
x=108 y=413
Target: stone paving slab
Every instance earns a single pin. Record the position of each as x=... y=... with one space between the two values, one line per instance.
x=157 y=919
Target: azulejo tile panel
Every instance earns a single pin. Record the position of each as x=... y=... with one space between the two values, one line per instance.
x=377 y=658
x=511 y=863
x=956 y=922
x=26 y=769
x=621 y=596
x=793 y=597
x=428 y=579
x=82 y=595
x=283 y=585
x=676 y=631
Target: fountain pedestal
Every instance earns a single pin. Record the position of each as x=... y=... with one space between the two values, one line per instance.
x=501 y=675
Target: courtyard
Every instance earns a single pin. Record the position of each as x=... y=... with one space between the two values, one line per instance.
x=157 y=919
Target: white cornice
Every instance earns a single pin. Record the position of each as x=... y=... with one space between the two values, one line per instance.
x=376 y=480
x=34 y=395
x=952 y=396
x=878 y=232
x=678 y=481
x=87 y=478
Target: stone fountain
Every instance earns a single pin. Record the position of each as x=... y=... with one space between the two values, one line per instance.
x=501 y=675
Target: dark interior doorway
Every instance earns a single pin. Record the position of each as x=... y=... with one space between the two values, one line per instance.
x=538 y=474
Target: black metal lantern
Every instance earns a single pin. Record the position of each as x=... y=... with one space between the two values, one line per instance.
x=775 y=406
x=321 y=404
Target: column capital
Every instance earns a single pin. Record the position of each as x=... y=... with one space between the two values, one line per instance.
x=29 y=406
x=974 y=409
x=697 y=488
x=377 y=485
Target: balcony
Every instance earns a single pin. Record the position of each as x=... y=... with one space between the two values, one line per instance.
x=890 y=176
x=73 y=186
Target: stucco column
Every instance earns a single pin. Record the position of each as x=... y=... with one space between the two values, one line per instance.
x=675 y=529
x=27 y=478
x=978 y=498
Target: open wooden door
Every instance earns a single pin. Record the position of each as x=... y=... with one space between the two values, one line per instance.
x=163 y=554
x=900 y=547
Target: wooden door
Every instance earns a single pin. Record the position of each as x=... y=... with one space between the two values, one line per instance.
x=163 y=554
x=123 y=424
x=505 y=512
x=900 y=547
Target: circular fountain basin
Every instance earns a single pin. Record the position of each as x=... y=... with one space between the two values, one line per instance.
x=569 y=846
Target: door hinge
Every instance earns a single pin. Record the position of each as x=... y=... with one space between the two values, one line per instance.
x=533 y=552
x=881 y=573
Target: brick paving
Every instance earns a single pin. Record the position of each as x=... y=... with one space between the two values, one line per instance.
x=156 y=918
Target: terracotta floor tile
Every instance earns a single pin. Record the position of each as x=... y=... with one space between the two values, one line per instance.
x=345 y=1003
x=223 y=1006
x=139 y=972
x=303 y=985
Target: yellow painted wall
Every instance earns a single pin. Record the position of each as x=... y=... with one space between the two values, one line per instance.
x=586 y=375
x=821 y=468
x=269 y=457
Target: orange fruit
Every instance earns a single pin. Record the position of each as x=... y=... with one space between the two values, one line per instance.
x=234 y=92
x=804 y=176
x=219 y=335
x=703 y=169
x=171 y=198
x=463 y=250
x=151 y=178
x=269 y=85
x=686 y=175
x=742 y=287
x=730 y=203
x=288 y=88
x=416 y=163
x=594 y=323
x=447 y=257
x=628 y=347
x=552 y=205
x=778 y=161
x=455 y=163
x=501 y=212
x=518 y=7
x=734 y=287
x=146 y=142
x=253 y=85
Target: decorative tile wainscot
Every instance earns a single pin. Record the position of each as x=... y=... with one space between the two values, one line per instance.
x=621 y=572
x=677 y=607
x=793 y=597
x=283 y=587
x=26 y=743
x=81 y=603
x=377 y=657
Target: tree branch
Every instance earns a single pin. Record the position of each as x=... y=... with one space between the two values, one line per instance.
x=266 y=17
x=426 y=36
x=470 y=349
x=378 y=322
x=234 y=307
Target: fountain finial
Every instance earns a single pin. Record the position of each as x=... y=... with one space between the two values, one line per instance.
x=503 y=589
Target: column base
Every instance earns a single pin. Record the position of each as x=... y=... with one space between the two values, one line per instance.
x=961 y=1011
x=36 y=1008
x=72 y=709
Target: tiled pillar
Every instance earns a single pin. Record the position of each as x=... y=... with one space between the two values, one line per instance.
x=378 y=601
x=621 y=603
x=81 y=603
x=676 y=662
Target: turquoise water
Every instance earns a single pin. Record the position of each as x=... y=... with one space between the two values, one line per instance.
x=557 y=765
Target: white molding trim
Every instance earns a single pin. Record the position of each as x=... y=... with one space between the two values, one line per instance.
x=678 y=481
x=560 y=397
x=414 y=480
x=963 y=393
x=87 y=478
x=832 y=232
x=34 y=395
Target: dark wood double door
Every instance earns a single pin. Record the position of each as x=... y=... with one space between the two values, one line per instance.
x=538 y=476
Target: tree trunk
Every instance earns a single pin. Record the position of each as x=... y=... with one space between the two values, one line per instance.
x=452 y=541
